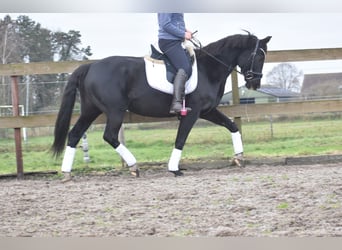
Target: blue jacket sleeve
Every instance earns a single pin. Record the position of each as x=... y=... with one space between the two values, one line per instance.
x=175 y=28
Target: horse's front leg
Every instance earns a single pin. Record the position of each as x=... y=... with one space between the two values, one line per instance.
x=185 y=125
x=218 y=118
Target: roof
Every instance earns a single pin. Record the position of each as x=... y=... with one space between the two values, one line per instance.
x=267 y=90
x=277 y=92
x=322 y=84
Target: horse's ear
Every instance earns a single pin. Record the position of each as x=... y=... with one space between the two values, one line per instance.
x=267 y=39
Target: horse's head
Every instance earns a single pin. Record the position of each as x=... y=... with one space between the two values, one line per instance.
x=251 y=62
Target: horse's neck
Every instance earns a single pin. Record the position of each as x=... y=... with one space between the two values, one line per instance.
x=217 y=68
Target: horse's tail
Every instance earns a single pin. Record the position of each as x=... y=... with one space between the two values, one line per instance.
x=65 y=111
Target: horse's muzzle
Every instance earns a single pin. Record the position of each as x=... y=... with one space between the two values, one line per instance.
x=253 y=84
x=252 y=79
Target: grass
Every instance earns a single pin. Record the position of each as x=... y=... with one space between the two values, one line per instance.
x=283 y=205
x=289 y=138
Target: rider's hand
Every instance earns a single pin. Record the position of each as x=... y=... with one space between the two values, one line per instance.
x=188 y=35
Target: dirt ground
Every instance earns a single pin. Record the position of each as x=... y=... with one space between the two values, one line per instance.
x=218 y=200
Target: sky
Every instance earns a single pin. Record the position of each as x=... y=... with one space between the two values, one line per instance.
x=132 y=33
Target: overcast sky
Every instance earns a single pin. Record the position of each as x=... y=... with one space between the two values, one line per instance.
x=132 y=33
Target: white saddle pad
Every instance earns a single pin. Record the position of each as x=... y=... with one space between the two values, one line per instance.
x=156 y=76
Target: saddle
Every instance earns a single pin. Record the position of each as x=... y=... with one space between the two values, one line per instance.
x=170 y=69
x=160 y=73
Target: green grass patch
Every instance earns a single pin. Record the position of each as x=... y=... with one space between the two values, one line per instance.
x=283 y=205
x=289 y=138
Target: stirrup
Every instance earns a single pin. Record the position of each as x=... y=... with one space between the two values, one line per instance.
x=183 y=111
x=176 y=108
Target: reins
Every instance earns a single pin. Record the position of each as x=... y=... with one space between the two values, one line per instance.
x=249 y=74
x=198 y=45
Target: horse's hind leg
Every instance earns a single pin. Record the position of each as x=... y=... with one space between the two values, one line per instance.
x=110 y=135
x=74 y=136
x=218 y=118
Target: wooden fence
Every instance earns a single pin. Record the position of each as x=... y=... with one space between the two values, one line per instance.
x=239 y=110
x=236 y=110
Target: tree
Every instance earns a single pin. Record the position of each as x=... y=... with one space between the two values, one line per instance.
x=286 y=76
x=37 y=40
x=10 y=46
x=10 y=41
x=37 y=48
x=66 y=46
x=24 y=40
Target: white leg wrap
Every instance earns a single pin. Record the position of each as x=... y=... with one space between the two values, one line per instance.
x=68 y=159
x=174 y=159
x=237 y=142
x=126 y=155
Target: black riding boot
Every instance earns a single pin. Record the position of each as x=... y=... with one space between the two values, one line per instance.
x=178 y=92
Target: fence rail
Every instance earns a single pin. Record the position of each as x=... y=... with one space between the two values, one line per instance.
x=37 y=68
x=240 y=110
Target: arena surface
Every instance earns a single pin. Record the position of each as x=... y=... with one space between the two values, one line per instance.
x=218 y=200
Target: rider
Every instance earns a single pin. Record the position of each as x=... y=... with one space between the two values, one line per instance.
x=172 y=33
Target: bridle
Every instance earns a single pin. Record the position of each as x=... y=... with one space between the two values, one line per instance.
x=250 y=74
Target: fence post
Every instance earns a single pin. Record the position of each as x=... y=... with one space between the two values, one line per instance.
x=236 y=97
x=17 y=131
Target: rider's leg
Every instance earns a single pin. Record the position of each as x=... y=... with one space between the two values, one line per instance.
x=178 y=91
x=175 y=52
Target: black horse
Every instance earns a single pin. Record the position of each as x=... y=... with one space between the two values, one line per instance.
x=116 y=84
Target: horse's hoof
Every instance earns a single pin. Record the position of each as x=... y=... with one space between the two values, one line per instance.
x=134 y=170
x=239 y=161
x=177 y=173
x=67 y=177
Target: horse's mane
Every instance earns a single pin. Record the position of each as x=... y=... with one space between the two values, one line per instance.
x=238 y=41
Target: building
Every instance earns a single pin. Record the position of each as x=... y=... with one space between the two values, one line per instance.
x=265 y=94
x=322 y=85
